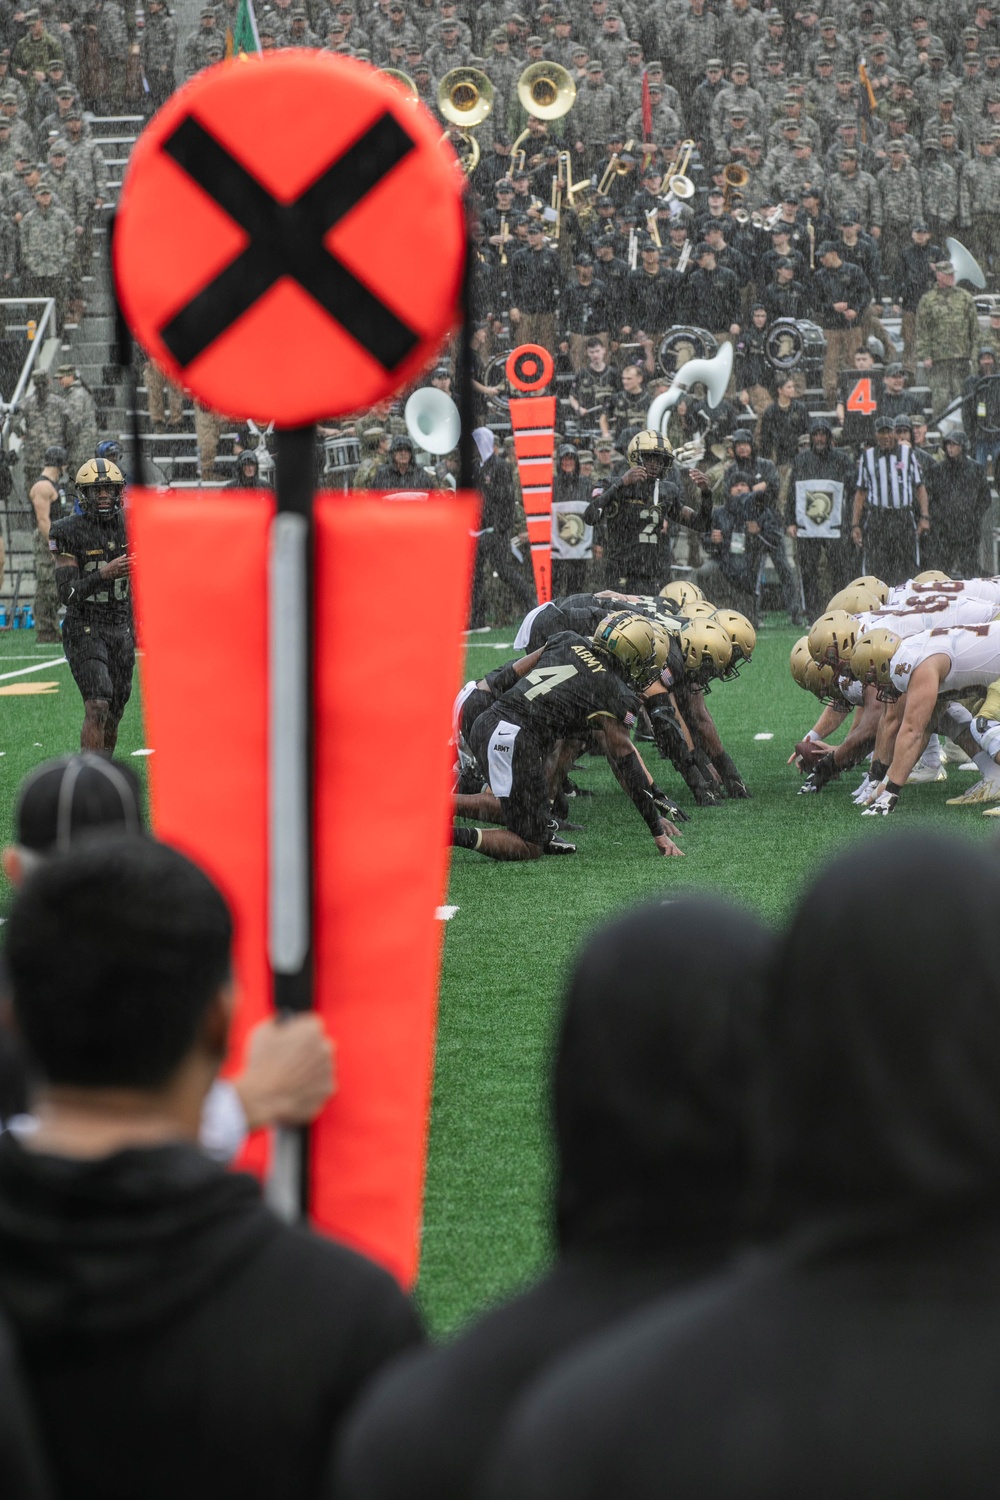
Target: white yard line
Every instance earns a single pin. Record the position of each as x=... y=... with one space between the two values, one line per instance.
x=41 y=666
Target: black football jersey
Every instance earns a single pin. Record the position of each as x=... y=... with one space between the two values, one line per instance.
x=571 y=684
x=581 y=613
x=633 y=516
x=93 y=543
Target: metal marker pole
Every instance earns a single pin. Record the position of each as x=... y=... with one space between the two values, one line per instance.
x=290 y=773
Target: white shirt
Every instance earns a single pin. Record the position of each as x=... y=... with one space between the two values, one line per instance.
x=972 y=650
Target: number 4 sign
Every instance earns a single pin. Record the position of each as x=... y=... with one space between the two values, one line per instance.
x=861 y=398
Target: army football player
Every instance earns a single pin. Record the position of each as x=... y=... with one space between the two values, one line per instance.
x=92 y=578
x=572 y=686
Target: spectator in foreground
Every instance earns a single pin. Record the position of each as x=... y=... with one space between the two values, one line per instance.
x=23 y=1472
x=862 y=1357
x=177 y=1338
x=649 y=1107
x=287 y=1072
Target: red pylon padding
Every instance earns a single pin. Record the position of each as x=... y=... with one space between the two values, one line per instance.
x=533 y=420
x=384 y=691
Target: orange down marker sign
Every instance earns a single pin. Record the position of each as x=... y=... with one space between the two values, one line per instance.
x=533 y=422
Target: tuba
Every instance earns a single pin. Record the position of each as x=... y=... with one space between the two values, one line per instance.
x=404 y=82
x=735 y=179
x=546 y=91
x=465 y=98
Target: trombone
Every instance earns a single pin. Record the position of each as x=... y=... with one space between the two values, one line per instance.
x=547 y=92
x=465 y=98
x=613 y=169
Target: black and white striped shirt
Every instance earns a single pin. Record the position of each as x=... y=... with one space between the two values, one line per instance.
x=889 y=480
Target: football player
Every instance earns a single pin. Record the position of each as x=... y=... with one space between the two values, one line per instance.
x=635 y=511
x=917 y=670
x=93 y=568
x=572 y=687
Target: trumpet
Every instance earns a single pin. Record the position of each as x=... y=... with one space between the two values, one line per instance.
x=465 y=99
x=545 y=90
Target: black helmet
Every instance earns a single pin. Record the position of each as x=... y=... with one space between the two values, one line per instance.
x=56 y=457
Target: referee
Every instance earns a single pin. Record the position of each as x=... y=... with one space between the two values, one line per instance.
x=889 y=482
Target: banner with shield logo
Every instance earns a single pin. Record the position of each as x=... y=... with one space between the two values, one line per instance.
x=819 y=505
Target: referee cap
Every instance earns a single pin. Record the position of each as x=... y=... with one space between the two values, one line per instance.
x=63 y=800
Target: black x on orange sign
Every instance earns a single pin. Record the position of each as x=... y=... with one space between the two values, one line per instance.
x=294 y=270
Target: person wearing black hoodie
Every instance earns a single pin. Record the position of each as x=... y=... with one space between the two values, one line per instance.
x=861 y=1356
x=177 y=1338
x=649 y=1113
x=23 y=1472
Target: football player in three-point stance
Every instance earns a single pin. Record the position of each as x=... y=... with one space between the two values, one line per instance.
x=570 y=688
x=93 y=566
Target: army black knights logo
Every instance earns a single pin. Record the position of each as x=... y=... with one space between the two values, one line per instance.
x=818 y=507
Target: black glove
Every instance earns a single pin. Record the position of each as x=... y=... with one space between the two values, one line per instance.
x=700 y=787
x=667 y=806
x=732 y=781
x=824 y=770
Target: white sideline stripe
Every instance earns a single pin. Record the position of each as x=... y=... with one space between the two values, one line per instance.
x=763 y=736
x=445 y=913
x=41 y=666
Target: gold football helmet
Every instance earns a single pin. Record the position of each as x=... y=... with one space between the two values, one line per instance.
x=856 y=599
x=698 y=609
x=740 y=632
x=649 y=444
x=814 y=679
x=932 y=575
x=100 y=484
x=872 y=658
x=833 y=638
x=869 y=581
x=707 y=648
x=638 y=643
x=679 y=593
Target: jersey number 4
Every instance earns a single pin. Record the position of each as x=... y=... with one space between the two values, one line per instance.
x=544 y=679
x=861 y=398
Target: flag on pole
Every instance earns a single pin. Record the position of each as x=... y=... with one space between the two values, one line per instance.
x=867 y=102
x=647 y=108
x=242 y=36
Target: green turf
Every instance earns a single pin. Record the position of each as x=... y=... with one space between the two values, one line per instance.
x=517 y=927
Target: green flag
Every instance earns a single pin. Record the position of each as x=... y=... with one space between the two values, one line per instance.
x=242 y=36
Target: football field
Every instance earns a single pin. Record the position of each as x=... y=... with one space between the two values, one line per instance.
x=513 y=931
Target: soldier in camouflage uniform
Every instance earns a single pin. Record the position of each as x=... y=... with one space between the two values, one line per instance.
x=979 y=203
x=902 y=201
x=592 y=118
x=48 y=248
x=45 y=422
x=374 y=453
x=21 y=137
x=70 y=195
x=159 y=52
x=54 y=122
x=47 y=494
x=82 y=432
x=847 y=188
x=947 y=337
x=940 y=184
x=196 y=49
x=30 y=57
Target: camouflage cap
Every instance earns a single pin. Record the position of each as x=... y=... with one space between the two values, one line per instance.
x=58 y=147
x=65 y=91
x=585 y=456
x=944 y=267
x=8 y=97
x=66 y=369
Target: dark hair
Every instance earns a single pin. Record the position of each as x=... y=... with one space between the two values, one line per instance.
x=114 y=952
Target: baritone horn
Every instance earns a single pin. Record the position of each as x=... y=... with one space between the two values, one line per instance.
x=735 y=179
x=712 y=373
x=967 y=267
x=465 y=98
x=546 y=91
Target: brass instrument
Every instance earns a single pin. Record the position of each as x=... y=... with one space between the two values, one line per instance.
x=633 y=249
x=465 y=98
x=811 y=232
x=547 y=92
x=735 y=179
x=679 y=185
x=504 y=237
x=654 y=228
x=684 y=257
x=613 y=169
x=406 y=84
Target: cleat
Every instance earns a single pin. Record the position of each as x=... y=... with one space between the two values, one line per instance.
x=992 y=812
x=983 y=791
x=559 y=846
x=921 y=774
x=954 y=755
x=565 y=826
